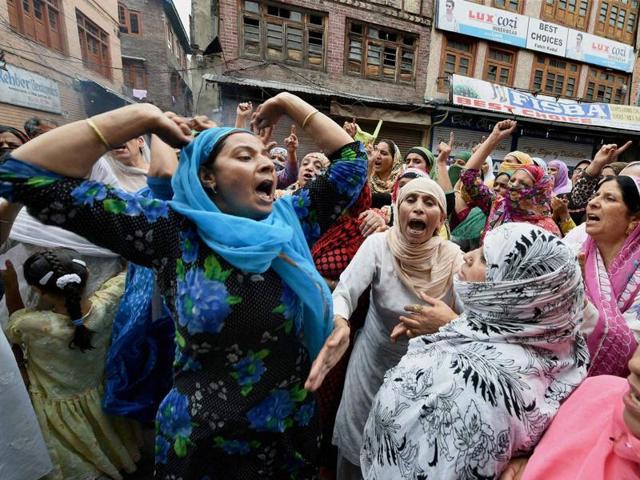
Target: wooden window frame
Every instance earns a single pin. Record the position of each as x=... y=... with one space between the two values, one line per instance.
x=124 y=20
x=443 y=77
x=87 y=29
x=612 y=11
x=367 y=43
x=594 y=81
x=555 y=70
x=130 y=67
x=311 y=32
x=40 y=30
x=518 y=10
x=499 y=64
x=552 y=11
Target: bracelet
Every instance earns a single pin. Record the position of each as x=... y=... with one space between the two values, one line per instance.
x=99 y=134
x=308 y=117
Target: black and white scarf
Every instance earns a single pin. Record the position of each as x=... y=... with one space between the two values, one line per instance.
x=484 y=388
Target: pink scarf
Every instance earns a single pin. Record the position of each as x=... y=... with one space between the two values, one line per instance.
x=612 y=343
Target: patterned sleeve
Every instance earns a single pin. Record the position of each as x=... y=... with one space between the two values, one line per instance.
x=582 y=191
x=322 y=201
x=479 y=194
x=142 y=230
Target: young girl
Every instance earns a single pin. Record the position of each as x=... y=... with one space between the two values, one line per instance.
x=65 y=349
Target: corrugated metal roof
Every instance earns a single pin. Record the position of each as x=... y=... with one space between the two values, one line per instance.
x=301 y=88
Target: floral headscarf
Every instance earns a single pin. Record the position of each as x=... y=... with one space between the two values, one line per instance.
x=531 y=205
x=384 y=186
x=484 y=388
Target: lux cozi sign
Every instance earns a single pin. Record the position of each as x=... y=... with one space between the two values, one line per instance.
x=509 y=28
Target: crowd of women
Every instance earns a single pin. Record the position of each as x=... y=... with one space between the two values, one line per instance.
x=354 y=313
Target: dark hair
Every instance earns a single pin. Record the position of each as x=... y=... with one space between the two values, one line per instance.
x=31 y=125
x=61 y=262
x=392 y=146
x=629 y=189
x=6 y=128
x=500 y=174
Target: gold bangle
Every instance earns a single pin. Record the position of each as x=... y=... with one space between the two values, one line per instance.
x=308 y=117
x=99 y=134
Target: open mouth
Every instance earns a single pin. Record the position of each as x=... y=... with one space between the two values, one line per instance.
x=592 y=218
x=416 y=227
x=265 y=190
x=307 y=176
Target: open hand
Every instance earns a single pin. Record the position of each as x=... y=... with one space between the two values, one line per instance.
x=426 y=319
x=371 y=222
x=330 y=355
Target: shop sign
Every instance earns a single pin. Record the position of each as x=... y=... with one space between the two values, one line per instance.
x=547 y=37
x=469 y=92
x=494 y=24
x=488 y=23
x=27 y=89
x=600 y=51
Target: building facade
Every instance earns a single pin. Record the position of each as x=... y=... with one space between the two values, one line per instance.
x=349 y=58
x=155 y=51
x=62 y=59
x=577 y=53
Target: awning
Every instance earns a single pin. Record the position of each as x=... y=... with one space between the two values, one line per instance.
x=99 y=99
x=308 y=89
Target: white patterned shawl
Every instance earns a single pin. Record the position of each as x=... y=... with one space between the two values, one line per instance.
x=484 y=388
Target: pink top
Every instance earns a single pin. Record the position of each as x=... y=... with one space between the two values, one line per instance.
x=588 y=438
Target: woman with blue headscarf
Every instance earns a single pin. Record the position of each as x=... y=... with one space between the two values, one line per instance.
x=234 y=267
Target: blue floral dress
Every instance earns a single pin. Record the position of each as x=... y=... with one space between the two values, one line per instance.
x=238 y=409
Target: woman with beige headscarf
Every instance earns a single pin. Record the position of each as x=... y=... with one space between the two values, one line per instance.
x=401 y=266
x=383 y=170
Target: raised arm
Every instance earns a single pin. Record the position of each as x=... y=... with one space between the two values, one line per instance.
x=328 y=135
x=444 y=150
x=71 y=150
x=501 y=130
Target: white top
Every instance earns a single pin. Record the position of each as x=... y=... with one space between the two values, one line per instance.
x=373 y=353
x=23 y=453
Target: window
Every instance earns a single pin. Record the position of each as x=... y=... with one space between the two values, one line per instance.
x=379 y=53
x=572 y=13
x=458 y=57
x=617 y=19
x=135 y=73
x=499 y=66
x=512 y=5
x=554 y=76
x=283 y=34
x=130 y=21
x=94 y=43
x=606 y=86
x=39 y=20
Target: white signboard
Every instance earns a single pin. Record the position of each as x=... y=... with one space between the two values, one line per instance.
x=493 y=24
x=600 y=51
x=487 y=23
x=28 y=89
x=547 y=37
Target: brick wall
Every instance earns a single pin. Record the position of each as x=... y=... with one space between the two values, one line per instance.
x=159 y=60
x=334 y=77
x=29 y=55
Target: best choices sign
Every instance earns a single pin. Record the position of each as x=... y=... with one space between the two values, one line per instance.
x=469 y=92
x=509 y=28
x=27 y=89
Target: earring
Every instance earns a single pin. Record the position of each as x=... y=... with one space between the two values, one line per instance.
x=210 y=188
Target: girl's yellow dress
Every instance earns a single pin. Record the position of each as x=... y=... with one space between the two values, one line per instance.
x=66 y=389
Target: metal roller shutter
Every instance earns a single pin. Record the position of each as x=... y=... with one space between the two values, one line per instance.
x=569 y=152
x=466 y=140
